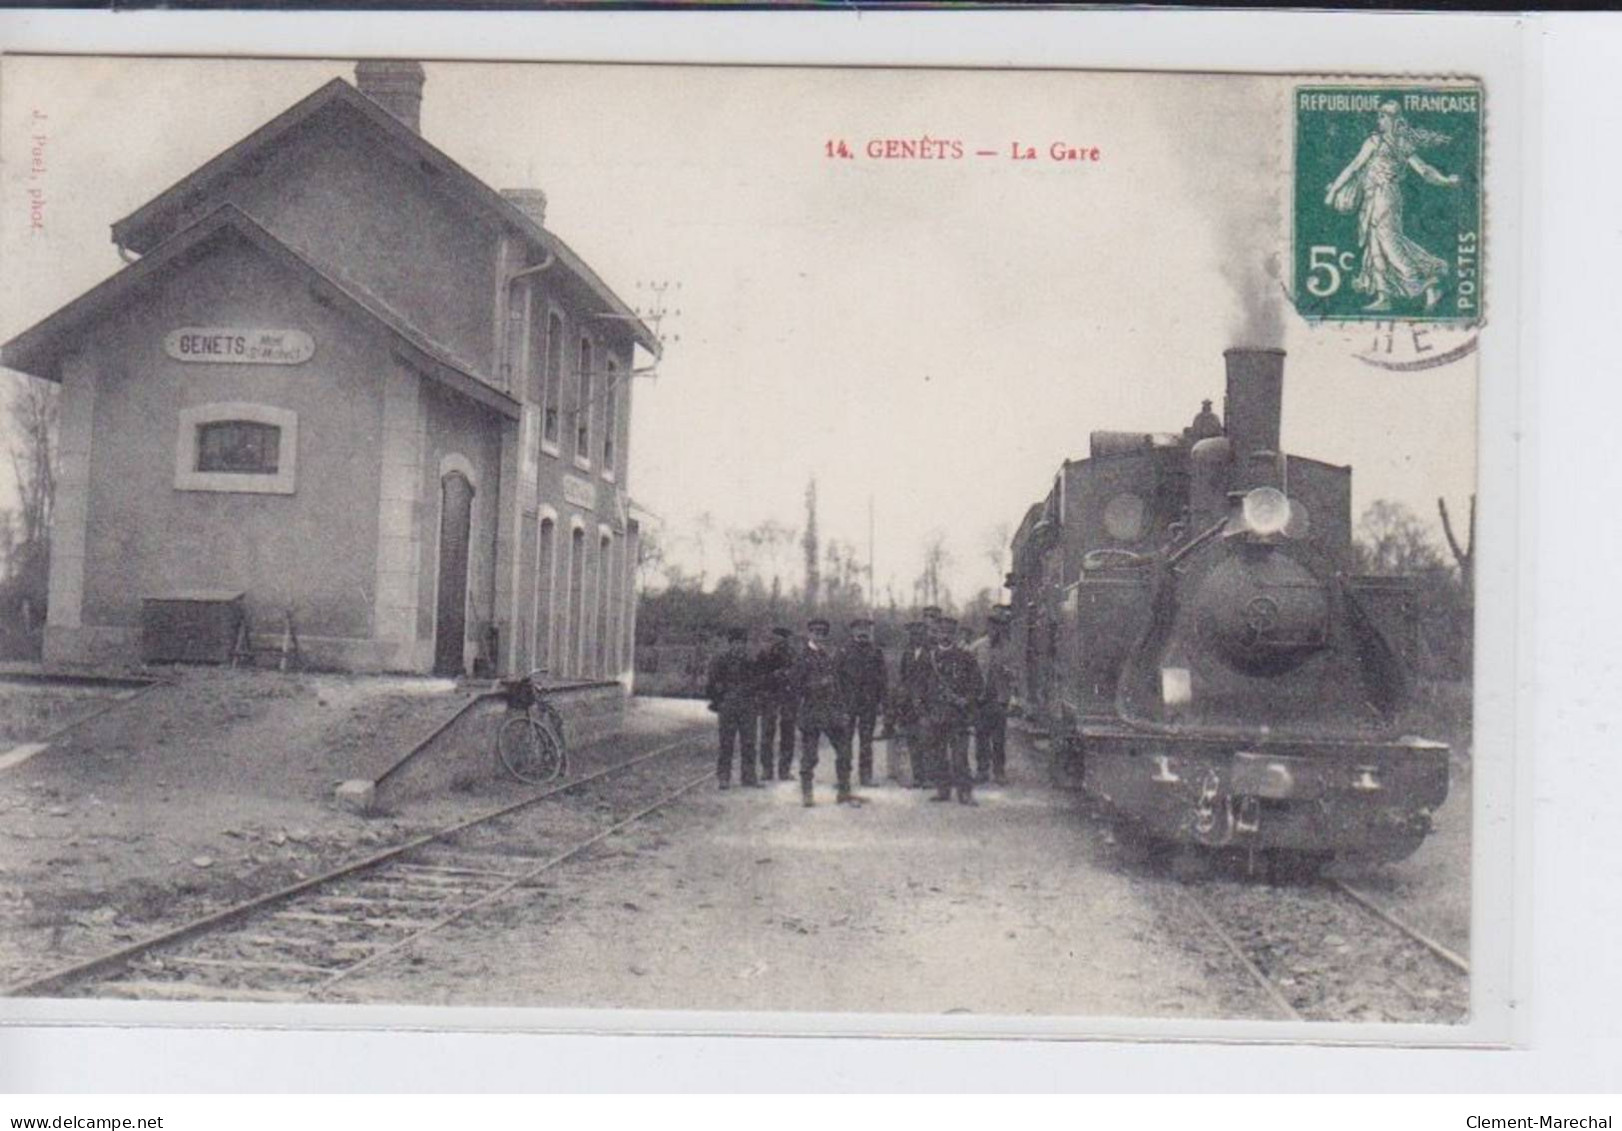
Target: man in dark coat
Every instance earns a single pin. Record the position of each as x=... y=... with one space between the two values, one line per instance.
x=822 y=710
x=906 y=705
x=862 y=674
x=991 y=722
x=951 y=690
x=776 y=666
x=731 y=692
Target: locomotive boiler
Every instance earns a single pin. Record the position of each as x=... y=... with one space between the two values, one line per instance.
x=1195 y=640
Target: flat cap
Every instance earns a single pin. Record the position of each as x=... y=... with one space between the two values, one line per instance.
x=818 y=622
x=862 y=622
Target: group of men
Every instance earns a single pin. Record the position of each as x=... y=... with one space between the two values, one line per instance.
x=792 y=695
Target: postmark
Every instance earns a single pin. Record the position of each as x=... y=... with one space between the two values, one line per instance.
x=1387 y=203
x=1411 y=346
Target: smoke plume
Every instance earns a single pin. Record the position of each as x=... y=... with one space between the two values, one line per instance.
x=1238 y=166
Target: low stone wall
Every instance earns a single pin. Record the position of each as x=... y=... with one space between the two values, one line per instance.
x=465 y=750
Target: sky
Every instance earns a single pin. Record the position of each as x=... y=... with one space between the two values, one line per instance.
x=928 y=337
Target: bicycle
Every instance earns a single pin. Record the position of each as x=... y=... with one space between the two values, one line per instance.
x=531 y=745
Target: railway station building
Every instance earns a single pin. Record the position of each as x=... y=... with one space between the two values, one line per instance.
x=341 y=377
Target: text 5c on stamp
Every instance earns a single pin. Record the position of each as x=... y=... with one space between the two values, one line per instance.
x=1387 y=202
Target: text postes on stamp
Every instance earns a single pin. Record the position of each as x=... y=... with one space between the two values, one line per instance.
x=1387 y=202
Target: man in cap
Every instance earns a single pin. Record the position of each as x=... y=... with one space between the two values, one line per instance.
x=731 y=692
x=822 y=710
x=775 y=664
x=991 y=721
x=862 y=674
x=906 y=705
x=951 y=690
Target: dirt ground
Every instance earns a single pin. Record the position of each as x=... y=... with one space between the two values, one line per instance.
x=745 y=901
x=189 y=797
x=200 y=793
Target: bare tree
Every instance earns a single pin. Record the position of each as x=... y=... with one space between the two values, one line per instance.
x=742 y=551
x=996 y=552
x=1464 y=555
x=1391 y=540
x=33 y=409
x=703 y=526
x=937 y=559
x=809 y=543
x=770 y=540
x=650 y=557
x=34 y=412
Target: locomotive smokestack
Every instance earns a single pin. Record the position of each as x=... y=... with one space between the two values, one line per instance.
x=1253 y=410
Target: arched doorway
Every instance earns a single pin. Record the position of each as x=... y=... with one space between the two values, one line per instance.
x=545 y=597
x=605 y=549
x=577 y=601
x=450 y=614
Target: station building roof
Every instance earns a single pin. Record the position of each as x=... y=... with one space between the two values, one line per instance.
x=40 y=349
x=176 y=206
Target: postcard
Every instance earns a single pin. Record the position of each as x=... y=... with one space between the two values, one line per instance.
x=917 y=550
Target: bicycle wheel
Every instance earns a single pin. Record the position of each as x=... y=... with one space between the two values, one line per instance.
x=530 y=752
x=553 y=722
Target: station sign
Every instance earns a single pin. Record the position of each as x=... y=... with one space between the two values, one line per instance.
x=232 y=345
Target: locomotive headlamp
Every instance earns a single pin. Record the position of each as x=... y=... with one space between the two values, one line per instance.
x=1266 y=511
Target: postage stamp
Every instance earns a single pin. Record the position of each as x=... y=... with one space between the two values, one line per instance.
x=1388 y=203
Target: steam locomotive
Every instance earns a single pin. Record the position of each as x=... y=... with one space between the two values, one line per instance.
x=1193 y=637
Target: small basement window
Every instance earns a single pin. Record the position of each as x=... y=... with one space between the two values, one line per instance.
x=236 y=446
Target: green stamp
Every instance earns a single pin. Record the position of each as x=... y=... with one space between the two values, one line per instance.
x=1388 y=203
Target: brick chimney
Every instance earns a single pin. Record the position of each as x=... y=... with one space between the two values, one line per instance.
x=395 y=85
x=530 y=201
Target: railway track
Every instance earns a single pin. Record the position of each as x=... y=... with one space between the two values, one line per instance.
x=1329 y=952
x=300 y=942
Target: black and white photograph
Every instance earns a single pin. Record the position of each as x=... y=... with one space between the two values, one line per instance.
x=926 y=550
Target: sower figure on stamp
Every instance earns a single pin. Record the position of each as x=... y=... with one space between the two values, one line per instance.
x=991 y=722
x=1372 y=183
x=951 y=691
x=862 y=674
x=777 y=724
x=822 y=711
x=731 y=692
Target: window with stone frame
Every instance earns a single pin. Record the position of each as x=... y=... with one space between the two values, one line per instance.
x=611 y=398
x=552 y=405
x=240 y=447
x=582 y=437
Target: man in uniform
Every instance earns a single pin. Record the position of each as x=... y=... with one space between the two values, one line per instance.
x=731 y=692
x=907 y=704
x=776 y=664
x=822 y=710
x=951 y=690
x=862 y=674
x=991 y=721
